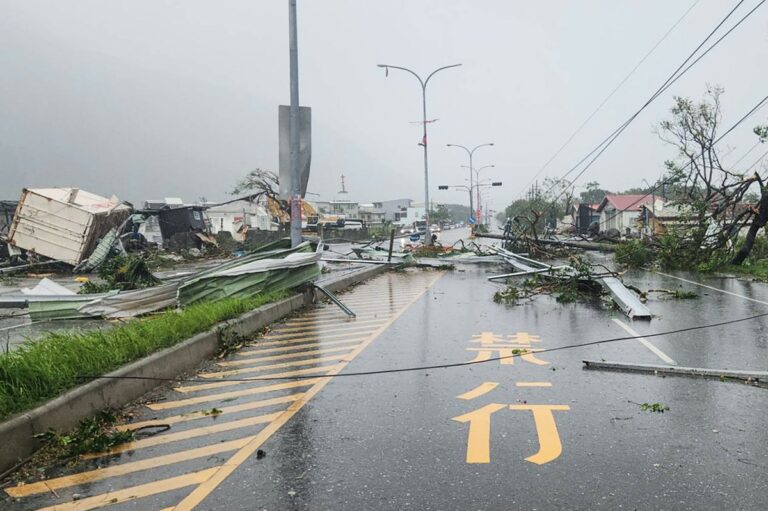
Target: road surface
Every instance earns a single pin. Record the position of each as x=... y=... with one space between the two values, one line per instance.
x=536 y=431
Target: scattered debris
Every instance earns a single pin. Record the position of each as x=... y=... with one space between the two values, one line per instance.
x=654 y=407
x=94 y=434
x=626 y=300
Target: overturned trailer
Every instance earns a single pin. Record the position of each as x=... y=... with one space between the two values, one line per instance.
x=64 y=224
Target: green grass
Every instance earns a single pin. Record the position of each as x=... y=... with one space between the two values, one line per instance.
x=45 y=368
x=757 y=270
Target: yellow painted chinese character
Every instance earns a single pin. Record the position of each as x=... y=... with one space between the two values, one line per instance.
x=479 y=433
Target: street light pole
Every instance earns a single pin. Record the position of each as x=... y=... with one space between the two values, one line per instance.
x=477 y=180
x=470 y=153
x=423 y=83
x=294 y=127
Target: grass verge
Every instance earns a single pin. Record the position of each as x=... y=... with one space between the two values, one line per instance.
x=45 y=368
x=757 y=270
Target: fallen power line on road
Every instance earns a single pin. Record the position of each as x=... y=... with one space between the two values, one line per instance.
x=436 y=366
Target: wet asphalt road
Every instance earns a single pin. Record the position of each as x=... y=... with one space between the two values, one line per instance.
x=540 y=433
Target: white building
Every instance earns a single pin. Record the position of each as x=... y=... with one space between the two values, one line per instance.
x=239 y=216
x=414 y=212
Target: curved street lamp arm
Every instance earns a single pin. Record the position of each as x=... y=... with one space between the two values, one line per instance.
x=387 y=66
x=438 y=70
x=481 y=145
x=461 y=146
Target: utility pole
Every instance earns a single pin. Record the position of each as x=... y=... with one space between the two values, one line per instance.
x=294 y=127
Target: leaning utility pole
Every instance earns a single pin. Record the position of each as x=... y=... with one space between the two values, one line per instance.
x=295 y=200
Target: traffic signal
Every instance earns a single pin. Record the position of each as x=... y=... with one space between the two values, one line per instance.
x=442 y=187
x=496 y=183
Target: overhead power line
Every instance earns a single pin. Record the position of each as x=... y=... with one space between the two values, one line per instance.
x=661 y=183
x=608 y=97
x=681 y=70
x=660 y=91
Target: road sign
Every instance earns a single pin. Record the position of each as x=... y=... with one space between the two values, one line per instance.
x=305 y=148
x=472 y=220
x=415 y=237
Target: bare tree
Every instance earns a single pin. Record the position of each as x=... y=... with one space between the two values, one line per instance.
x=710 y=194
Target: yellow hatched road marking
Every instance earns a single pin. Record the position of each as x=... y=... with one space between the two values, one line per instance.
x=184 y=417
x=322 y=333
x=382 y=306
x=299 y=344
x=373 y=303
x=186 y=435
x=336 y=327
x=380 y=296
x=134 y=492
x=166 y=405
x=287 y=374
x=281 y=365
x=285 y=345
x=319 y=351
x=126 y=468
x=533 y=384
x=340 y=319
x=204 y=489
x=376 y=312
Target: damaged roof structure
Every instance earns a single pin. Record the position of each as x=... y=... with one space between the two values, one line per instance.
x=64 y=224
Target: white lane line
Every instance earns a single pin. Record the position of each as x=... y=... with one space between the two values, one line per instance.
x=645 y=342
x=713 y=288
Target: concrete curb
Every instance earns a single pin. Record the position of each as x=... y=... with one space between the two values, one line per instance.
x=64 y=412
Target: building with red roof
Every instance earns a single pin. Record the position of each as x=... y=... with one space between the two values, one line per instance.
x=622 y=211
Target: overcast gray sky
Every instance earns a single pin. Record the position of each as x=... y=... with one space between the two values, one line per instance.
x=157 y=98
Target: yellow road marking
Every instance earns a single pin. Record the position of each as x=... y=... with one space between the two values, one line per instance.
x=479 y=437
x=533 y=384
x=299 y=344
x=288 y=333
x=263 y=377
x=332 y=326
x=286 y=344
x=340 y=319
x=166 y=405
x=373 y=296
x=186 y=435
x=319 y=351
x=203 y=490
x=281 y=365
x=322 y=334
x=184 y=417
x=373 y=307
x=478 y=391
x=134 y=492
x=550 y=446
x=126 y=468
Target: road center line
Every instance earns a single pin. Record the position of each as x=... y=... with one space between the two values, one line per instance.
x=645 y=342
